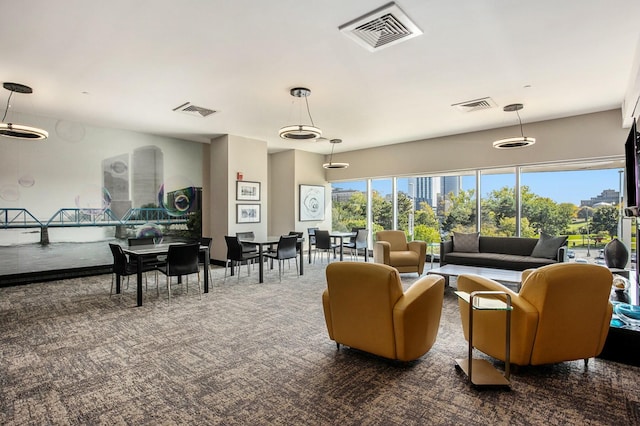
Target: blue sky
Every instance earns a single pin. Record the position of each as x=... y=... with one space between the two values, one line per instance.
x=562 y=187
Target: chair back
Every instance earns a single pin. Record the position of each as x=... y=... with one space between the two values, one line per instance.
x=323 y=240
x=312 y=235
x=361 y=238
x=298 y=235
x=119 y=259
x=397 y=239
x=287 y=247
x=204 y=241
x=144 y=241
x=361 y=301
x=182 y=259
x=249 y=235
x=573 y=303
x=234 y=248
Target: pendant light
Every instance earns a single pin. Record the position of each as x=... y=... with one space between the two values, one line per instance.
x=18 y=131
x=517 y=142
x=301 y=131
x=331 y=164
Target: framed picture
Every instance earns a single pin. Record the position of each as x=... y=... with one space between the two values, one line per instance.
x=311 y=203
x=247 y=213
x=247 y=191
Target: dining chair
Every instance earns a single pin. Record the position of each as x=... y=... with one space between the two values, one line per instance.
x=123 y=267
x=298 y=235
x=287 y=249
x=247 y=248
x=358 y=242
x=182 y=260
x=205 y=241
x=312 y=240
x=324 y=244
x=235 y=255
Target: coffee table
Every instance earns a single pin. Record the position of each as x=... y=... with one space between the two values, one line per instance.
x=506 y=276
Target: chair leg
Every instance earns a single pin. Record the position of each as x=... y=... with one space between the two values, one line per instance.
x=169 y=287
x=199 y=288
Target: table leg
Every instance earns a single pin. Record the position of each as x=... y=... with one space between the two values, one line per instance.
x=139 y=281
x=206 y=270
x=261 y=259
x=341 y=249
x=309 y=252
x=301 y=262
x=118 y=283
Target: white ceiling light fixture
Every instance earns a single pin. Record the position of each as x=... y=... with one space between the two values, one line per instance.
x=331 y=164
x=18 y=131
x=301 y=131
x=517 y=142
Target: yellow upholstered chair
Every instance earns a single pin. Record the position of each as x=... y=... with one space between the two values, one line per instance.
x=366 y=308
x=392 y=248
x=562 y=313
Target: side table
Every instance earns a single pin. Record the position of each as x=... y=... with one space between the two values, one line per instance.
x=480 y=371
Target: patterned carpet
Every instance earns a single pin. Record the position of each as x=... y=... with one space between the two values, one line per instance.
x=258 y=354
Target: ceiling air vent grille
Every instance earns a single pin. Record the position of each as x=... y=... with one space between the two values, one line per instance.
x=381 y=28
x=189 y=108
x=475 y=105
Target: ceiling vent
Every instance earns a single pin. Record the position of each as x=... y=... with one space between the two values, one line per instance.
x=475 y=105
x=189 y=108
x=381 y=28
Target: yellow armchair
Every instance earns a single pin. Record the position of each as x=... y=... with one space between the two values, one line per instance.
x=366 y=308
x=391 y=248
x=562 y=313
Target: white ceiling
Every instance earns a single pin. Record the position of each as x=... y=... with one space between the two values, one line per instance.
x=127 y=64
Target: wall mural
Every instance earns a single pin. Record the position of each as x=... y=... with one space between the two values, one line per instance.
x=63 y=199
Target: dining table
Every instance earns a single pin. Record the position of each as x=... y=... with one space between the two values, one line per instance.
x=141 y=252
x=339 y=236
x=264 y=244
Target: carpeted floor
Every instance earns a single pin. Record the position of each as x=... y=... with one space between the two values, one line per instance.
x=250 y=353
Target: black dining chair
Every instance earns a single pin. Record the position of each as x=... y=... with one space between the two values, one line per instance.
x=359 y=242
x=235 y=255
x=286 y=250
x=122 y=267
x=298 y=235
x=324 y=244
x=182 y=260
x=247 y=248
x=312 y=240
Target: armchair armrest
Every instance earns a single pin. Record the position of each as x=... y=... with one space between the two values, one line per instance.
x=416 y=317
x=381 y=251
x=419 y=247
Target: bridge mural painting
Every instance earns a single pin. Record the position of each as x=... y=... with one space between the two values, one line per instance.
x=94 y=184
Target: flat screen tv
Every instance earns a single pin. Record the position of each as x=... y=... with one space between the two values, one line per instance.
x=632 y=157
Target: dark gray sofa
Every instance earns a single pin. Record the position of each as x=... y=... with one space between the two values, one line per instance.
x=500 y=252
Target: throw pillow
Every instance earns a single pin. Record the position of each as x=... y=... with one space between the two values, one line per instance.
x=466 y=243
x=547 y=246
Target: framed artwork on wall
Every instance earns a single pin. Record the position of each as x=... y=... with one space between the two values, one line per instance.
x=247 y=191
x=247 y=213
x=311 y=203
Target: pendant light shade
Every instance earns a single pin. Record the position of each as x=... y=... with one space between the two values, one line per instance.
x=18 y=131
x=517 y=142
x=301 y=131
x=331 y=164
